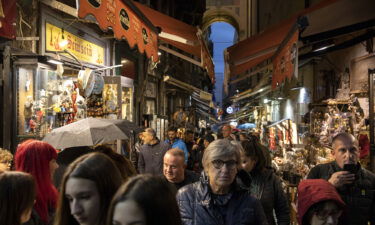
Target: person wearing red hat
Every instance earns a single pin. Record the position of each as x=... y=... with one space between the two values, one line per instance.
x=318 y=203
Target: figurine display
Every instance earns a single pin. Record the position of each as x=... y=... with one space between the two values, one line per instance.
x=54 y=99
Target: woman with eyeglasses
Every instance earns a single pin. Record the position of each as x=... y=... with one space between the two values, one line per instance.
x=218 y=198
x=318 y=203
x=265 y=185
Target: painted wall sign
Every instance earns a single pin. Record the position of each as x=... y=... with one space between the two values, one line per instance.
x=125 y=23
x=124 y=19
x=82 y=49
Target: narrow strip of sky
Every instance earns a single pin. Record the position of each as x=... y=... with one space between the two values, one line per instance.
x=222 y=36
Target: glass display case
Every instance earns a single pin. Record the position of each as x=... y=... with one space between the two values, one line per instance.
x=46 y=99
x=127 y=103
x=118 y=98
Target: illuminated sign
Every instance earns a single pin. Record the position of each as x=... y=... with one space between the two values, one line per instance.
x=230 y=110
x=82 y=49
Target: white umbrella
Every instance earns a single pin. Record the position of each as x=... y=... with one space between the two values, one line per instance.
x=89 y=132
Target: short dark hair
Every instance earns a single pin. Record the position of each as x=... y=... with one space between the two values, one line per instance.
x=344 y=135
x=172 y=128
x=209 y=138
x=253 y=149
x=153 y=195
x=189 y=132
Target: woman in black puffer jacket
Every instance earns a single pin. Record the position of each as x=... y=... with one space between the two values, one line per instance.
x=217 y=198
x=265 y=185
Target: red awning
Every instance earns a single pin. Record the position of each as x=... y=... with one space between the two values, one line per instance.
x=126 y=21
x=194 y=50
x=8 y=14
x=175 y=32
x=180 y=35
x=207 y=61
x=250 y=52
x=250 y=64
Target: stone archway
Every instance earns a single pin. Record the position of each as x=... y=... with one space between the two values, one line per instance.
x=220 y=15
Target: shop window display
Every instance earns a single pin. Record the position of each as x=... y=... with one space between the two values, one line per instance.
x=46 y=100
x=110 y=100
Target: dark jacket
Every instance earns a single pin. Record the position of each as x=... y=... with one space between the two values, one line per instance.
x=313 y=191
x=199 y=206
x=36 y=220
x=359 y=197
x=266 y=187
x=150 y=158
x=190 y=177
x=196 y=159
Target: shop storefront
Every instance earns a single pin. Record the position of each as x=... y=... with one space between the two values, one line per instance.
x=72 y=77
x=178 y=40
x=63 y=83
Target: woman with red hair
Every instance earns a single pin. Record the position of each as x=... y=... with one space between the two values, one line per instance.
x=39 y=159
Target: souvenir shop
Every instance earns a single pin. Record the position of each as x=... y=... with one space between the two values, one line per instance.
x=69 y=80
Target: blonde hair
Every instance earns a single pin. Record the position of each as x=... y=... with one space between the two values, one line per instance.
x=5 y=155
x=176 y=152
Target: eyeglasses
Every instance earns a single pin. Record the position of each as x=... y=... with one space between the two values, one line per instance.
x=218 y=164
x=324 y=214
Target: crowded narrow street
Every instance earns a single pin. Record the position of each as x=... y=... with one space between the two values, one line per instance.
x=187 y=112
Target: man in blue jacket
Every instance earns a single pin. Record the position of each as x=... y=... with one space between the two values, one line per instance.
x=176 y=142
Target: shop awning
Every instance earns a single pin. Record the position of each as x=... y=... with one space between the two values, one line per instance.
x=201 y=102
x=252 y=51
x=180 y=35
x=197 y=93
x=126 y=21
x=251 y=93
x=334 y=18
x=263 y=86
x=209 y=116
x=173 y=31
x=8 y=14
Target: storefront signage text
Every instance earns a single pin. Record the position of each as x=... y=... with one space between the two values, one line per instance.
x=82 y=49
x=124 y=22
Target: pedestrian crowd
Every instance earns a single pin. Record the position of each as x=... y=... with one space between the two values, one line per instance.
x=216 y=179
